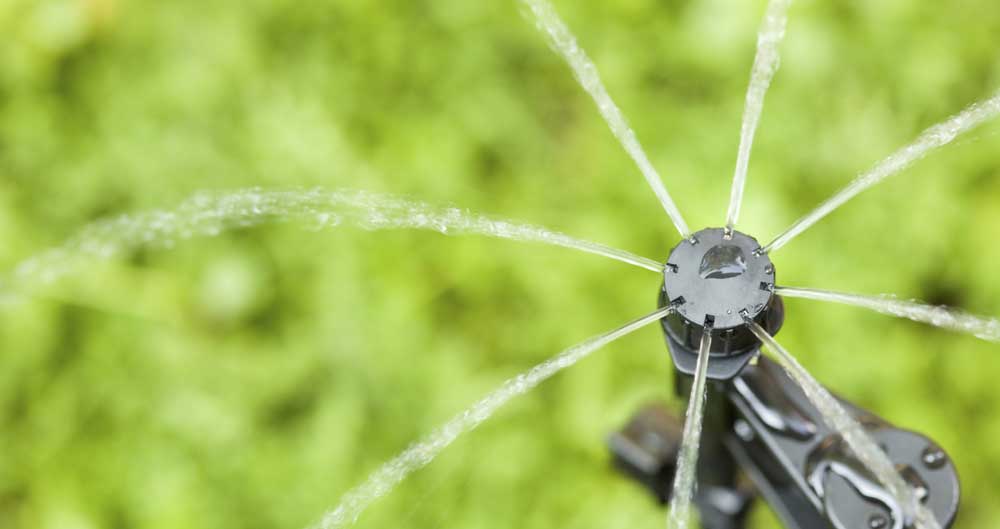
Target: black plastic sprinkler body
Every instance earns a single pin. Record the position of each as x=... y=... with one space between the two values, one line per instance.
x=759 y=428
x=717 y=279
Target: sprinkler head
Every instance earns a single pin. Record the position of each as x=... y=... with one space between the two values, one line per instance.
x=716 y=281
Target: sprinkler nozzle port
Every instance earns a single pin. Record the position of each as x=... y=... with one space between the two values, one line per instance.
x=724 y=279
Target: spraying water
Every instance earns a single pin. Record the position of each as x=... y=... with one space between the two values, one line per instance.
x=932 y=138
x=418 y=455
x=585 y=71
x=687 y=459
x=765 y=65
x=859 y=442
x=944 y=317
x=209 y=214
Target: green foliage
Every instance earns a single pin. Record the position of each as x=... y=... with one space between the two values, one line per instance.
x=249 y=380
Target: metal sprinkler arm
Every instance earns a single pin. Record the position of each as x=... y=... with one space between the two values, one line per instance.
x=775 y=438
x=807 y=474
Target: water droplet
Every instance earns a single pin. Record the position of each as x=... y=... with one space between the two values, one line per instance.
x=743 y=430
x=878 y=521
x=723 y=261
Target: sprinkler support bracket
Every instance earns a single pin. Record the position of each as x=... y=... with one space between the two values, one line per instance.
x=765 y=430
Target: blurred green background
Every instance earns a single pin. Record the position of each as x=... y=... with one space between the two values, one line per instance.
x=247 y=381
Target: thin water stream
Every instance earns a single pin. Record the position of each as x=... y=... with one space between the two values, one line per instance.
x=686 y=474
x=418 y=455
x=944 y=317
x=209 y=214
x=853 y=434
x=937 y=136
x=585 y=71
x=765 y=65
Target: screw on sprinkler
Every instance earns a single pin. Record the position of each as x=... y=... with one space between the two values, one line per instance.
x=713 y=280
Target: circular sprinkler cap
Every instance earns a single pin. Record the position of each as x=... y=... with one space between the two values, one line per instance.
x=715 y=280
